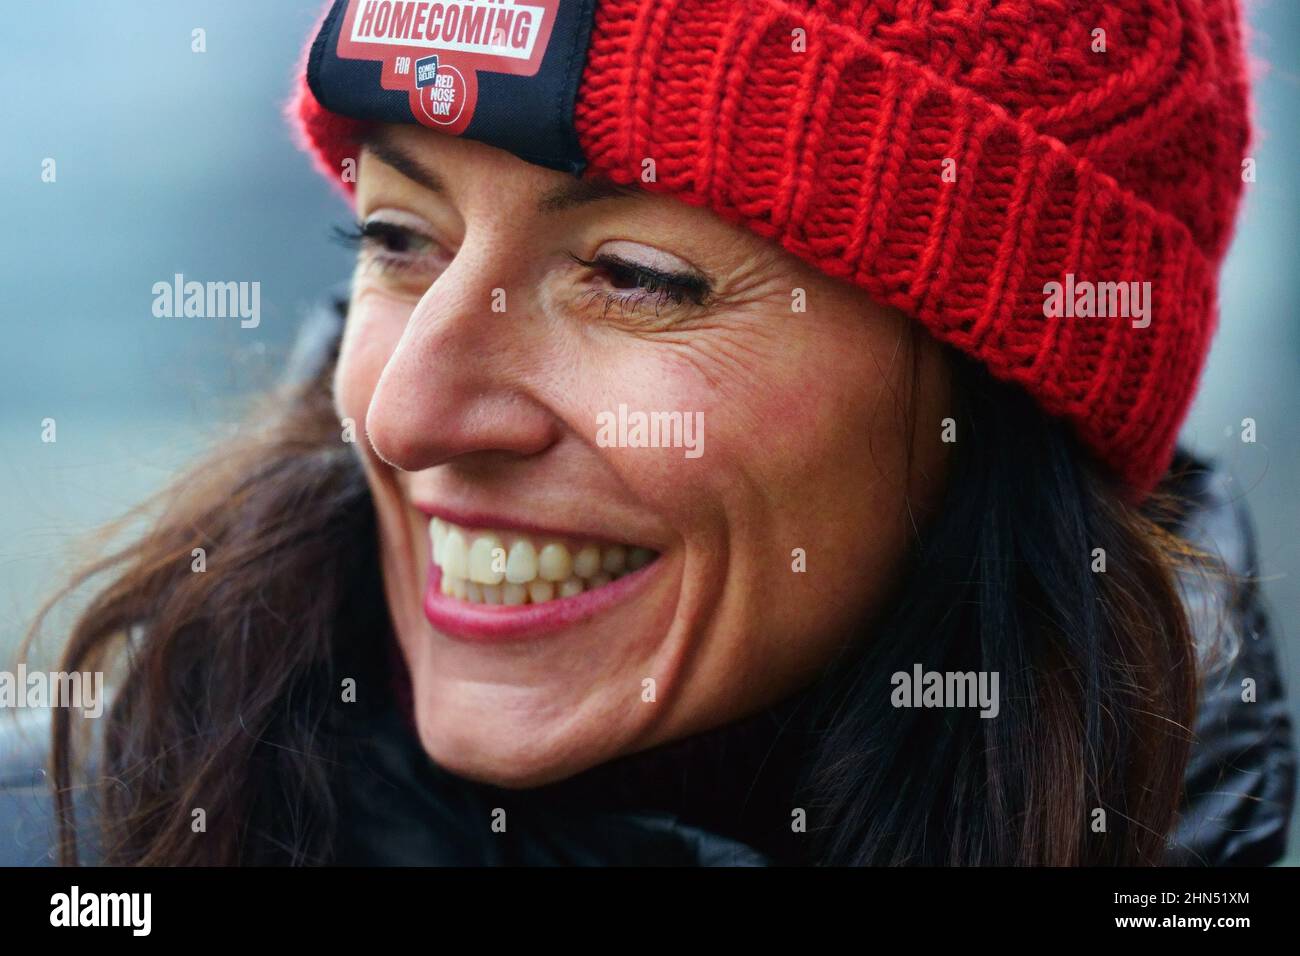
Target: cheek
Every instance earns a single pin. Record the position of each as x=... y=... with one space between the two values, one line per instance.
x=683 y=479
x=807 y=445
x=838 y=462
x=792 y=430
x=786 y=462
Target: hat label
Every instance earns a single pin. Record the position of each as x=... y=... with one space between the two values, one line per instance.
x=465 y=37
x=490 y=27
x=503 y=72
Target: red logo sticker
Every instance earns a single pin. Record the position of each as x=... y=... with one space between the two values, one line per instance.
x=434 y=51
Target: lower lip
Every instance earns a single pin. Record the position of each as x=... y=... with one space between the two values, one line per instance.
x=491 y=623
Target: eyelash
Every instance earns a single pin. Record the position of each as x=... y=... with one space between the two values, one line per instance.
x=675 y=288
x=665 y=288
x=376 y=236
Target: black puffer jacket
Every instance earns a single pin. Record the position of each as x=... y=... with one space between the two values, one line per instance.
x=711 y=799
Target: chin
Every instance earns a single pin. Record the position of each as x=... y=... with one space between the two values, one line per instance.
x=512 y=752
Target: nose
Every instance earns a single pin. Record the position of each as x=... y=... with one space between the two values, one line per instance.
x=457 y=382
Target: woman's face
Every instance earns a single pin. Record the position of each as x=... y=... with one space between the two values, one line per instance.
x=601 y=587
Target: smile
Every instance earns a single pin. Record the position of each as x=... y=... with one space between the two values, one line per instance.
x=486 y=567
x=495 y=583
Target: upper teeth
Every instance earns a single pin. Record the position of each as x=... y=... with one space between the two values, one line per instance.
x=481 y=566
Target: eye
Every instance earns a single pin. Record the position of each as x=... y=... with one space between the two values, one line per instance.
x=394 y=247
x=627 y=283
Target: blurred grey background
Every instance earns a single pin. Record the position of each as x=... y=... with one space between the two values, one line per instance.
x=174 y=161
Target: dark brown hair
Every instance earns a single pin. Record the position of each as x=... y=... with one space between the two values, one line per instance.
x=1084 y=762
x=230 y=679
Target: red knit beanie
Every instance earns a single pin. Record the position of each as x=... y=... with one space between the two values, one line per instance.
x=1047 y=185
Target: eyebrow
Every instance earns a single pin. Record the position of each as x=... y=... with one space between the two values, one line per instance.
x=577 y=192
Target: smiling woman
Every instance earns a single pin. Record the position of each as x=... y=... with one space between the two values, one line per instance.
x=488 y=420
x=495 y=629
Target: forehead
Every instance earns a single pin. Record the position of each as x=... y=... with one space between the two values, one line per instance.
x=442 y=164
x=471 y=180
